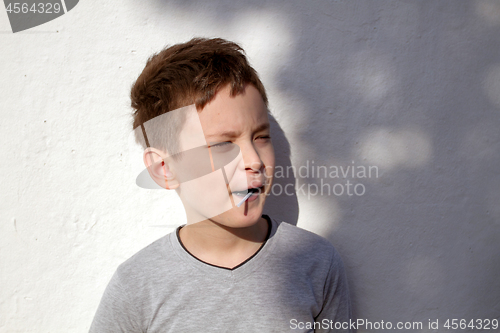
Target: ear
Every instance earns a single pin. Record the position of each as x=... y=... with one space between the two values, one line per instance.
x=159 y=169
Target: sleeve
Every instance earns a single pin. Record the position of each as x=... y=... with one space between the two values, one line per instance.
x=336 y=313
x=116 y=312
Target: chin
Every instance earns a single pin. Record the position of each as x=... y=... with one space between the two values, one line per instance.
x=236 y=218
x=244 y=216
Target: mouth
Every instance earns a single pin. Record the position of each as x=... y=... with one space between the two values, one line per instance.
x=253 y=190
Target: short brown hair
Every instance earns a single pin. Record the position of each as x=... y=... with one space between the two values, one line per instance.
x=186 y=74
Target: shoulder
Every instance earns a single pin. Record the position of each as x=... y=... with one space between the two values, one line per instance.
x=291 y=234
x=146 y=263
x=130 y=285
x=305 y=244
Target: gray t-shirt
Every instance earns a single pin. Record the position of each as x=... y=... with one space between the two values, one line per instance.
x=294 y=283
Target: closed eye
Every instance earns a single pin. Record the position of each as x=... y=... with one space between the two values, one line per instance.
x=222 y=147
x=221 y=144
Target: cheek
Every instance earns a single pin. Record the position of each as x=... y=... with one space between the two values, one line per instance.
x=269 y=165
x=208 y=194
x=268 y=159
x=235 y=175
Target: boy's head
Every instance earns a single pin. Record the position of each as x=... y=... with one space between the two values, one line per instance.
x=201 y=114
x=186 y=74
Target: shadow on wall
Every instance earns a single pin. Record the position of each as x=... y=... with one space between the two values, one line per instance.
x=282 y=204
x=412 y=87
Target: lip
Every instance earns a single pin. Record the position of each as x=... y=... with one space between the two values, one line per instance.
x=240 y=196
x=255 y=184
x=260 y=189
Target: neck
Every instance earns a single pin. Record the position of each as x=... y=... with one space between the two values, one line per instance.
x=223 y=246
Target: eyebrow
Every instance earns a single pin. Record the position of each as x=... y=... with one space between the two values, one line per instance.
x=234 y=134
x=262 y=127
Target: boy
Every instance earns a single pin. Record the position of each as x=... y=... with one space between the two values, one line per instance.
x=201 y=115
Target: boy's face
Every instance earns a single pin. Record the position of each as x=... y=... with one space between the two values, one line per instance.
x=228 y=125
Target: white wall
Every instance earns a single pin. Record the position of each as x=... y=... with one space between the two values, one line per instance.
x=411 y=87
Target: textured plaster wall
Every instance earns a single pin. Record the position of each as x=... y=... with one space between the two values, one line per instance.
x=410 y=87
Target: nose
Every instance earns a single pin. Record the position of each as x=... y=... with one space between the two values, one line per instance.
x=251 y=158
